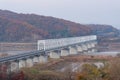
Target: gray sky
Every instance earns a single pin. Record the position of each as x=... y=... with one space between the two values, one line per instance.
x=80 y=11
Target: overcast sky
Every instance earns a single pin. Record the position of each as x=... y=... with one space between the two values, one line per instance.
x=80 y=11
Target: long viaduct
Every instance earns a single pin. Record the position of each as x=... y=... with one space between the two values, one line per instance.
x=50 y=48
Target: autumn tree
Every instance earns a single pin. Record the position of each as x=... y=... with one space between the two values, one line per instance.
x=92 y=72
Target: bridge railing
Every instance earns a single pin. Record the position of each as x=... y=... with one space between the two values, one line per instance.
x=53 y=43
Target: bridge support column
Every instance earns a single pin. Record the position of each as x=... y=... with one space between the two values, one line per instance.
x=79 y=48
x=43 y=59
x=54 y=54
x=64 y=52
x=73 y=50
x=29 y=62
x=84 y=48
x=88 y=44
x=94 y=50
x=22 y=63
x=36 y=60
x=14 y=66
x=93 y=46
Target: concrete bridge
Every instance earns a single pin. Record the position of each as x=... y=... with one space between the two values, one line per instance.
x=50 y=48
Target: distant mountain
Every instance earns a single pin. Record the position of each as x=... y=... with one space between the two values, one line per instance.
x=16 y=27
x=104 y=31
x=13 y=30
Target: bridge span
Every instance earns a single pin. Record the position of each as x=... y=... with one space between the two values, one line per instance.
x=50 y=48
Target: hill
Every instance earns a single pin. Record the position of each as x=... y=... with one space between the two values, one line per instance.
x=104 y=31
x=16 y=27
x=13 y=30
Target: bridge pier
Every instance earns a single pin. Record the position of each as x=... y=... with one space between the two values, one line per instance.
x=29 y=62
x=22 y=63
x=79 y=48
x=54 y=54
x=84 y=48
x=89 y=47
x=43 y=59
x=94 y=50
x=36 y=60
x=92 y=46
x=14 y=66
x=72 y=50
x=64 y=52
x=55 y=47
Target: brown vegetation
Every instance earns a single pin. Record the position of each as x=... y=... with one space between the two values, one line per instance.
x=88 y=71
x=114 y=69
x=30 y=27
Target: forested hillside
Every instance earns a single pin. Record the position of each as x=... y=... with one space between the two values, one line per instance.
x=16 y=27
